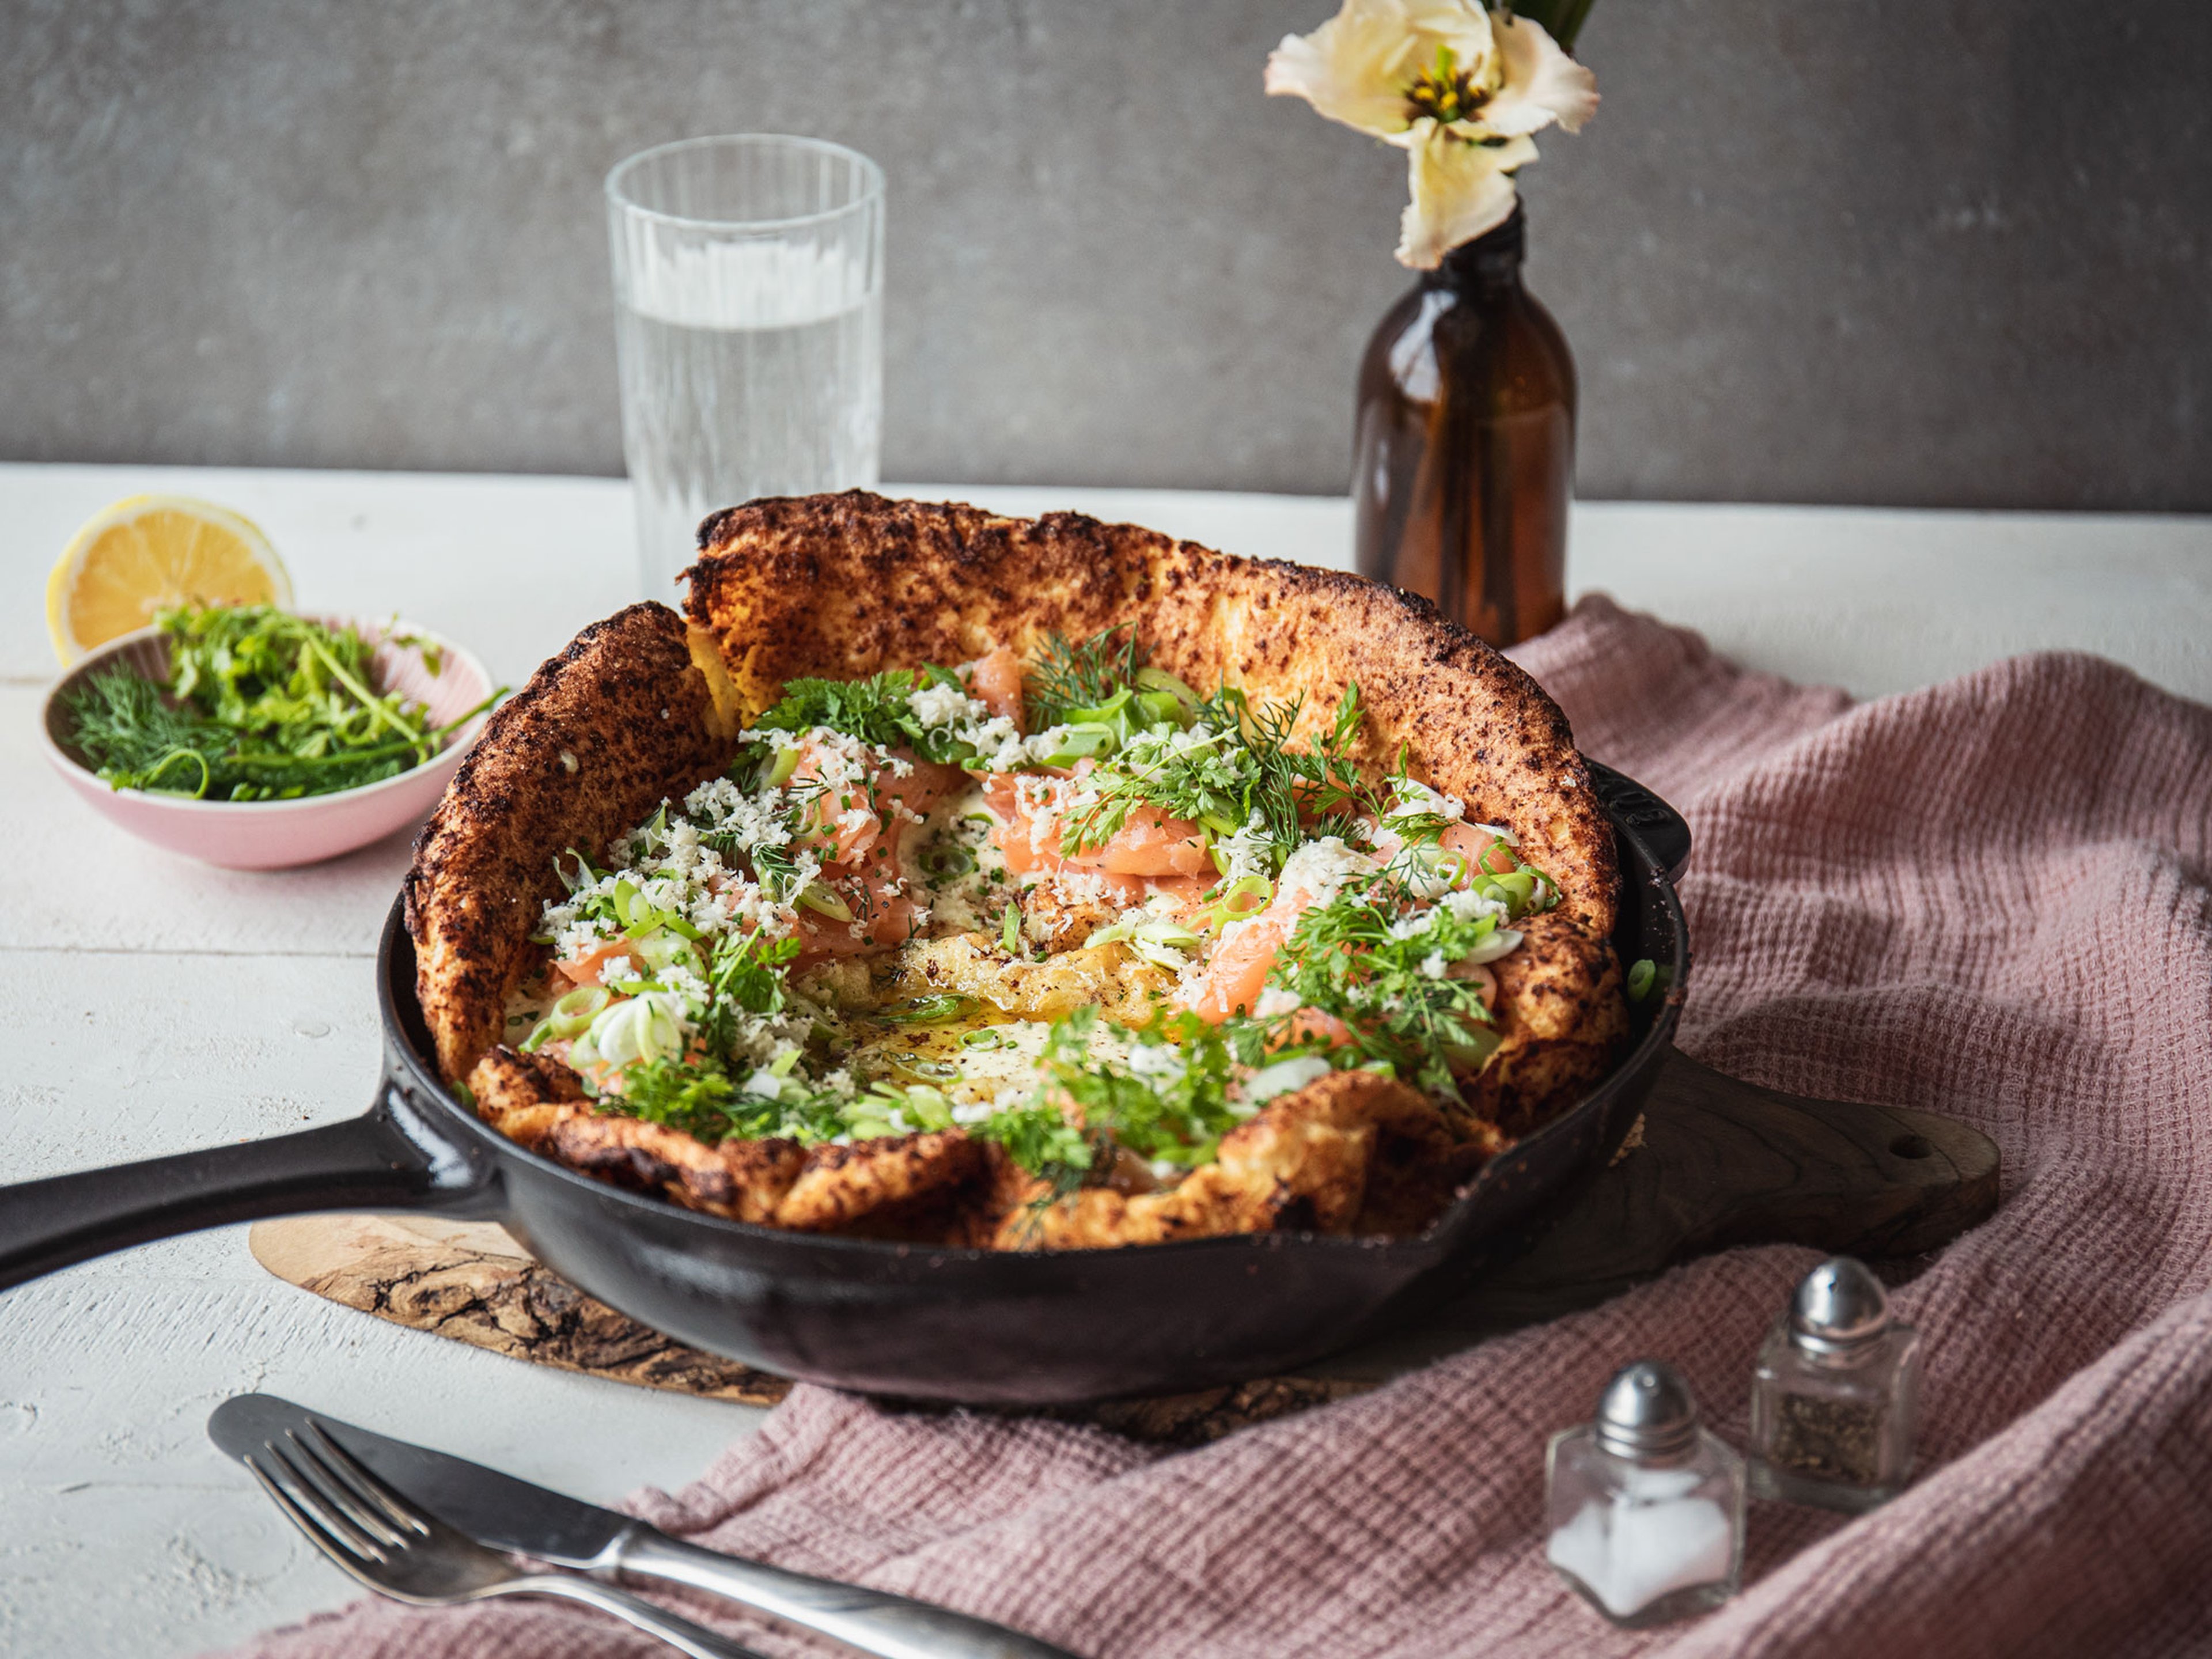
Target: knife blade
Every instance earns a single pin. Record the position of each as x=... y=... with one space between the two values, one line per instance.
x=514 y=1515
x=492 y=1508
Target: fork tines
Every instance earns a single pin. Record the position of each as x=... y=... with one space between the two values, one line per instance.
x=324 y=1488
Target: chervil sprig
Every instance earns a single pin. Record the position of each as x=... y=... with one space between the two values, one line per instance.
x=877 y=710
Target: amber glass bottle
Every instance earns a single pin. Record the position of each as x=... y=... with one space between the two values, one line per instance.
x=1464 y=452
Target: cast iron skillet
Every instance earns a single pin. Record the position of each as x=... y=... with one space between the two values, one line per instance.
x=914 y=1320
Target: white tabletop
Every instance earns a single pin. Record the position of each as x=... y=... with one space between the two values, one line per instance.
x=159 y=1006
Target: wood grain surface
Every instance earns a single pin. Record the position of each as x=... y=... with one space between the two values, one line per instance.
x=1713 y=1162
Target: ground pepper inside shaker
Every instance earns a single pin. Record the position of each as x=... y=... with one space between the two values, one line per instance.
x=1835 y=1396
x=1643 y=1509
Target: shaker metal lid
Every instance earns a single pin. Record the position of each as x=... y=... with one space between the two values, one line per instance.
x=1647 y=1410
x=1839 y=1306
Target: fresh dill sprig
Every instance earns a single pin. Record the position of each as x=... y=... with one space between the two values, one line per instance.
x=1233 y=767
x=1080 y=674
x=259 y=705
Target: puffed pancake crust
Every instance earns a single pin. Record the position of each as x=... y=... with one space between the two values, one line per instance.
x=645 y=705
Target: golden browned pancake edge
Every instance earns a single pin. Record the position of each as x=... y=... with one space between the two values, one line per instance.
x=842 y=586
x=581 y=754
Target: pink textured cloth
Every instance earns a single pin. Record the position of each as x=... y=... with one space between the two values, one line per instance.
x=1987 y=899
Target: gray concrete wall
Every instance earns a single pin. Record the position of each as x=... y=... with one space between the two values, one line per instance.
x=1925 y=251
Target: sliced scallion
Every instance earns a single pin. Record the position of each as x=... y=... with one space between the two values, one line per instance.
x=1087 y=741
x=1245 y=896
x=931 y=1010
x=824 y=902
x=1163 y=708
x=1501 y=943
x=1159 y=680
x=929 y=1107
x=1521 y=885
x=944 y=862
x=1642 y=975
x=574 y=1011
x=1474 y=1053
x=1444 y=866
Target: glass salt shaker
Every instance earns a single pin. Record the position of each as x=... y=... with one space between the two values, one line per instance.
x=1834 y=1399
x=1643 y=1509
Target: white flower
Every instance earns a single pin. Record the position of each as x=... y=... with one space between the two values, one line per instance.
x=1457 y=87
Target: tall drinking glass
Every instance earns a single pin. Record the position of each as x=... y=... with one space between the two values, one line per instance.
x=749 y=322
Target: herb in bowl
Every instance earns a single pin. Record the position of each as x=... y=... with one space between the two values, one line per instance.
x=259 y=705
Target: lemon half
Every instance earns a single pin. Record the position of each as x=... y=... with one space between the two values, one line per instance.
x=147 y=551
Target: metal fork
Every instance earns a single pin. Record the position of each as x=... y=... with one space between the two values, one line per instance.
x=372 y=1532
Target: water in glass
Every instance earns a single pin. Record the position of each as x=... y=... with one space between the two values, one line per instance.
x=750 y=348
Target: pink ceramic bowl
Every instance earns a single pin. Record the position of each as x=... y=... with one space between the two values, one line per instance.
x=276 y=835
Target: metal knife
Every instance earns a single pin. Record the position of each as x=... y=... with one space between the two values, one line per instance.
x=513 y=1515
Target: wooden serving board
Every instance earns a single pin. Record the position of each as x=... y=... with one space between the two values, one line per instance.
x=1713 y=1162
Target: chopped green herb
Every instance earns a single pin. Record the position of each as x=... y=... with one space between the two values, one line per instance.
x=875 y=710
x=1233 y=768
x=745 y=974
x=1038 y=1137
x=259 y=705
x=1400 y=991
x=1170 y=1103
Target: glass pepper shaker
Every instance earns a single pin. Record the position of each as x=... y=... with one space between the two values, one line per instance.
x=1834 y=1399
x=1643 y=1509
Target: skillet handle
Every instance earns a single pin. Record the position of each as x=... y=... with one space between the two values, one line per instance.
x=387 y=1159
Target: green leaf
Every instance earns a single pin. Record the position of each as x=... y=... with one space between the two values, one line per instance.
x=877 y=710
x=1562 y=19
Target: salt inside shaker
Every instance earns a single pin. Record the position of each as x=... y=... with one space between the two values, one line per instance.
x=1835 y=1396
x=1643 y=1509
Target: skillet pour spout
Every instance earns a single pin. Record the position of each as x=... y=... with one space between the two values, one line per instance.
x=919 y=1322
